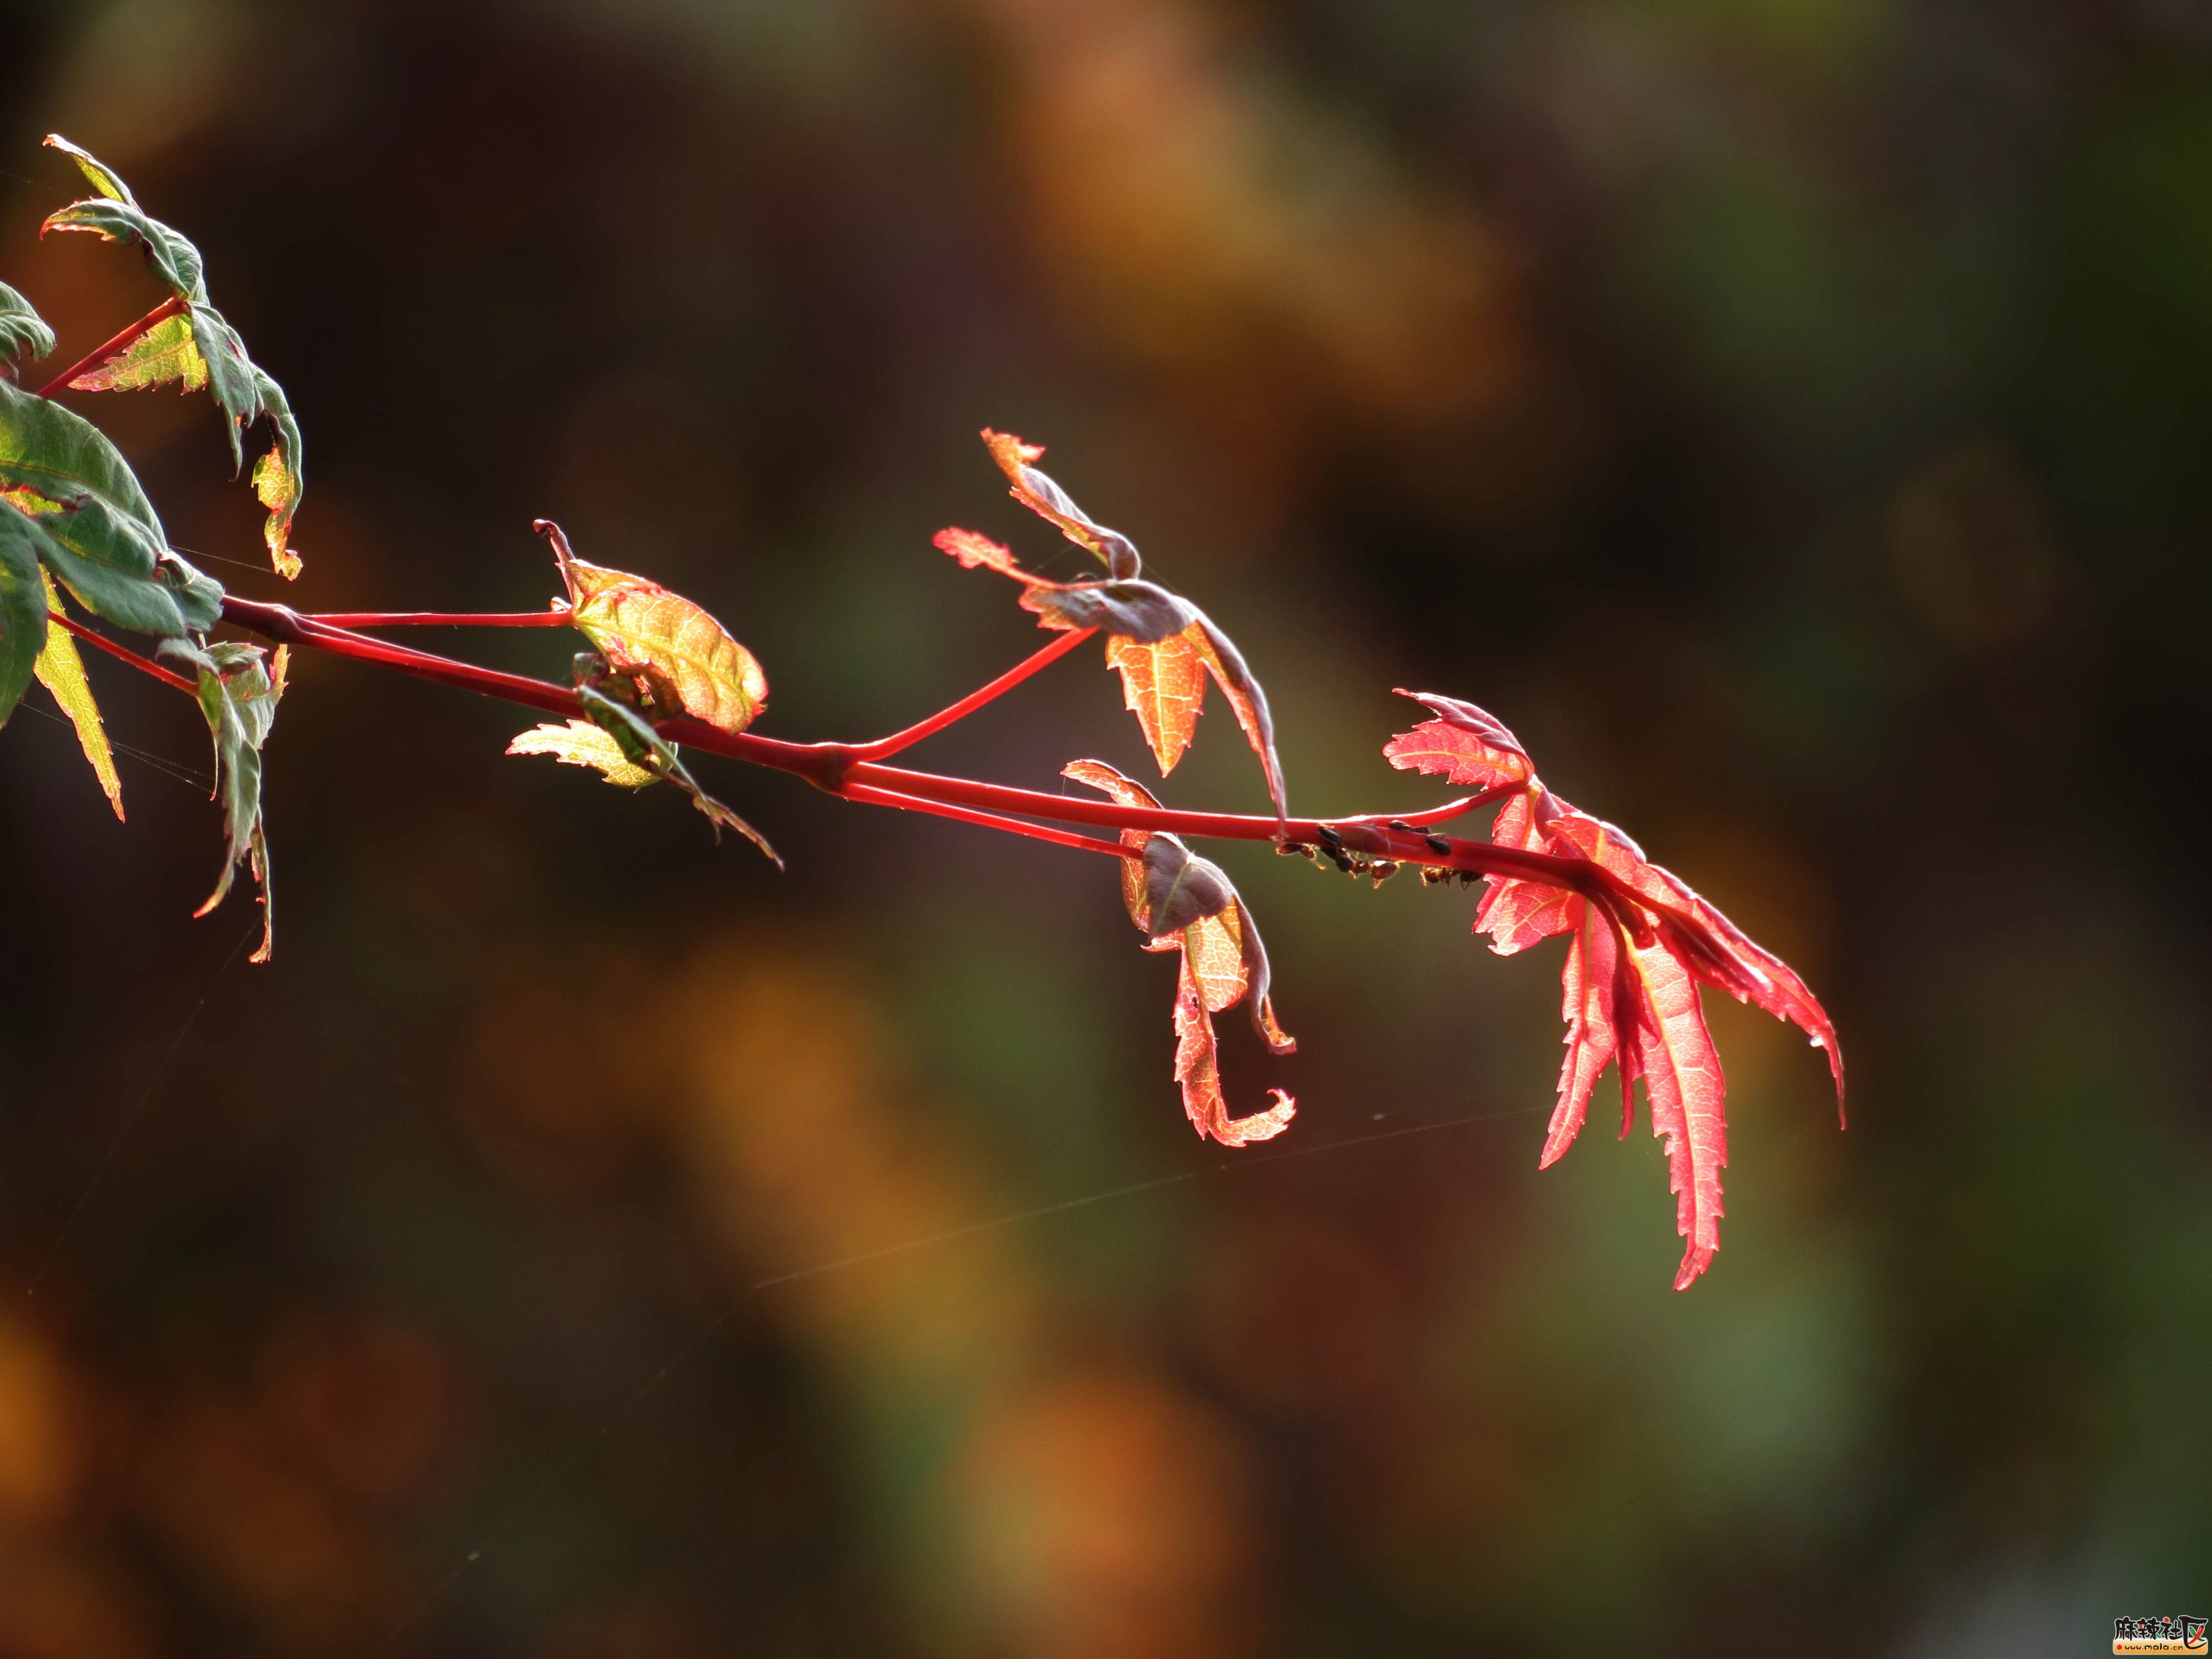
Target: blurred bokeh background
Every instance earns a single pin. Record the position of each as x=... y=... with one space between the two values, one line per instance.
x=580 y=1243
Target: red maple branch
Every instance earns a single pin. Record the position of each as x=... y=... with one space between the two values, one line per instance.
x=839 y=769
x=144 y=665
x=100 y=354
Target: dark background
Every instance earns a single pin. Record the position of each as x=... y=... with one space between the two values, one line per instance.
x=1789 y=414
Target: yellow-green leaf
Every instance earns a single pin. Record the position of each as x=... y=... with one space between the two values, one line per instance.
x=642 y=745
x=276 y=478
x=579 y=742
x=163 y=353
x=104 y=178
x=60 y=669
x=687 y=658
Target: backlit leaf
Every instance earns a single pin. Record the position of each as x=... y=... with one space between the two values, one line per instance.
x=22 y=607
x=238 y=688
x=278 y=482
x=686 y=659
x=60 y=669
x=579 y=742
x=114 y=215
x=197 y=348
x=1632 y=969
x=1198 y=1065
x=24 y=335
x=1163 y=646
x=1163 y=683
x=1184 y=903
x=104 y=178
x=165 y=352
x=1045 y=498
x=169 y=254
x=642 y=747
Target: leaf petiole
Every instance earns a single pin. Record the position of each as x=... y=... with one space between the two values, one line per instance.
x=144 y=666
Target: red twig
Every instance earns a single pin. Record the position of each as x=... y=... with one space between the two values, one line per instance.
x=100 y=354
x=283 y=623
x=144 y=665
x=864 y=794
x=883 y=747
x=438 y=618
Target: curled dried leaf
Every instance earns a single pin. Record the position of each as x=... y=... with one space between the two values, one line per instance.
x=278 y=484
x=1045 y=498
x=684 y=658
x=1184 y=903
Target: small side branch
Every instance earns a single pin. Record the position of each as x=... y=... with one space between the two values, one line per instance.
x=883 y=747
x=438 y=618
x=144 y=665
x=100 y=354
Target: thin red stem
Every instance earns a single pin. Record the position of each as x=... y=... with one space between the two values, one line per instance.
x=144 y=665
x=438 y=618
x=862 y=793
x=975 y=700
x=283 y=623
x=100 y=354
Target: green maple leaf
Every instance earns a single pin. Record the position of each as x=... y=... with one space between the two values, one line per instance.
x=238 y=687
x=90 y=522
x=24 y=335
x=201 y=350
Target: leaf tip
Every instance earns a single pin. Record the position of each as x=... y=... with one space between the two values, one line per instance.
x=1695 y=1260
x=1010 y=451
x=553 y=533
x=1264 y=1125
x=972 y=548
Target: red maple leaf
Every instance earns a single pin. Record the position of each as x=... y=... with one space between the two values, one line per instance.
x=1163 y=646
x=1632 y=968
